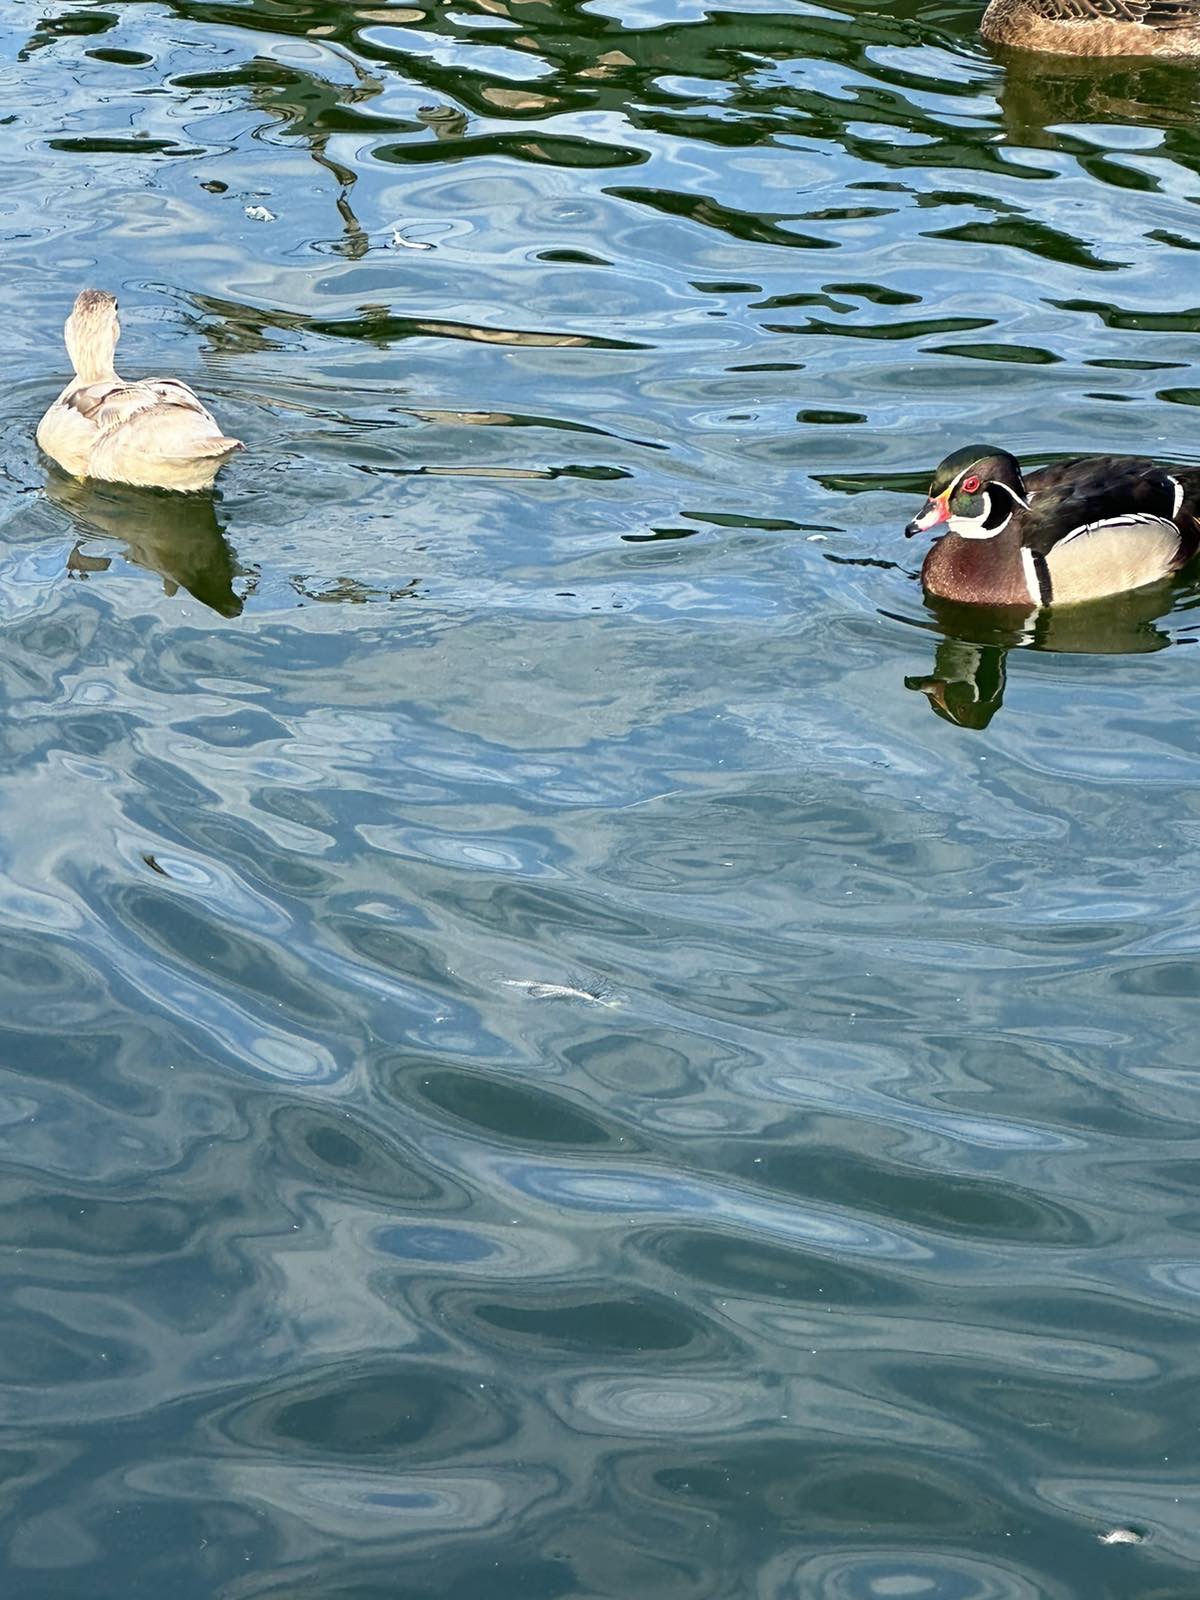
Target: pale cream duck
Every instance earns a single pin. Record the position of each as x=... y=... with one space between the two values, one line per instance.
x=154 y=433
x=1096 y=27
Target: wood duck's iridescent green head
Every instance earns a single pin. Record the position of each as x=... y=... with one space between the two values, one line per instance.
x=975 y=490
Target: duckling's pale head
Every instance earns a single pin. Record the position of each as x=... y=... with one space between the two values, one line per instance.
x=91 y=333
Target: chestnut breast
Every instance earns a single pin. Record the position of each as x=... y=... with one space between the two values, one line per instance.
x=977 y=571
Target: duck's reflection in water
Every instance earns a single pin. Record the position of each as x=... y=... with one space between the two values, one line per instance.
x=967 y=683
x=1043 y=99
x=176 y=535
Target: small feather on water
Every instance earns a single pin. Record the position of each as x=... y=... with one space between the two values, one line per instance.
x=1121 y=1536
x=557 y=991
x=260 y=214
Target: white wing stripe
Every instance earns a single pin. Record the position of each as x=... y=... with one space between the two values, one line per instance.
x=1130 y=519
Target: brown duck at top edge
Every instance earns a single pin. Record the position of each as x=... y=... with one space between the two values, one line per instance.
x=1096 y=27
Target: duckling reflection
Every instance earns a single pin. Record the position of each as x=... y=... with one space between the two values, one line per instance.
x=174 y=535
x=969 y=674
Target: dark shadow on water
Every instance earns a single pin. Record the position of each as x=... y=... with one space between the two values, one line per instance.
x=176 y=535
x=969 y=674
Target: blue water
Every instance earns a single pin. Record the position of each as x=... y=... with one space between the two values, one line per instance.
x=562 y=1034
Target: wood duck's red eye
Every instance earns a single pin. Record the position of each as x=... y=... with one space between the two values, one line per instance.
x=970 y=485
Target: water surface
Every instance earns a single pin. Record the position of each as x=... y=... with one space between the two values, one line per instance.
x=563 y=1034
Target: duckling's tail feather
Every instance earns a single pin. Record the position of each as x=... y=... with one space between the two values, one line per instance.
x=215 y=445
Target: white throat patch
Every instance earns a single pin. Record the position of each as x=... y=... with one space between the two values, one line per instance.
x=977 y=527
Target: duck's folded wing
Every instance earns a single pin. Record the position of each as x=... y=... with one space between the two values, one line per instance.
x=1071 y=497
x=154 y=432
x=110 y=404
x=1102 y=525
x=1151 y=13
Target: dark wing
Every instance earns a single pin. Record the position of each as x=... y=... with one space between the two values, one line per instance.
x=1152 y=13
x=1077 y=494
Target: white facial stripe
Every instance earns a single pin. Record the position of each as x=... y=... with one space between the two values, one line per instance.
x=1178 y=495
x=972 y=528
x=957 y=484
x=976 y=527
x=968 y=472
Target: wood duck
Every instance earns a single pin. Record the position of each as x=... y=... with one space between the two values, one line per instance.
x=1074 y=531
x=153 y=432
x=1096 y=27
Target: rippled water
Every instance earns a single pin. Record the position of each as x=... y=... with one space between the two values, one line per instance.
x=564 y=1035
